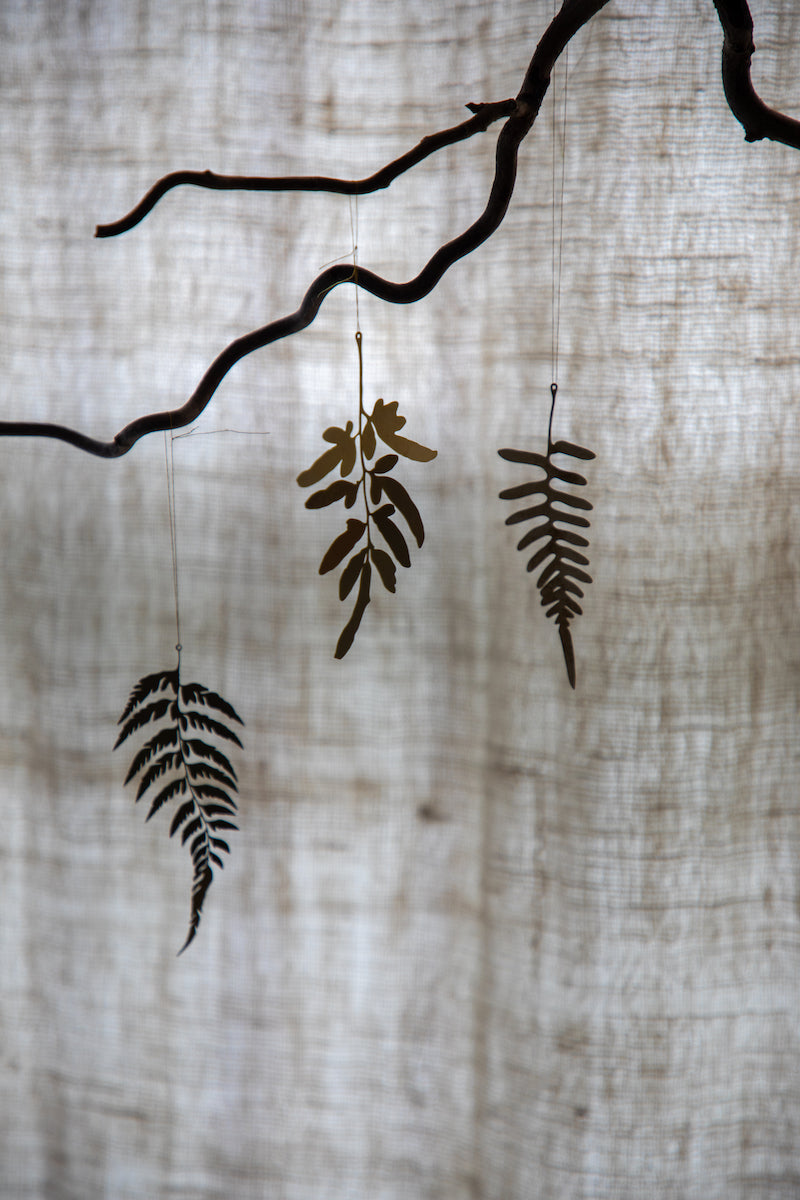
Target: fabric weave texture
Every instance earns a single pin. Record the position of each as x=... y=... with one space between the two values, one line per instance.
x=479 y=935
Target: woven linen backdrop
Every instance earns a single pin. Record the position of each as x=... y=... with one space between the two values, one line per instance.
x=479 y=935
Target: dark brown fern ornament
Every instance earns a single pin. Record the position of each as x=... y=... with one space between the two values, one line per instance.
x=175 y=764
x=559 y=582
x=355 y=448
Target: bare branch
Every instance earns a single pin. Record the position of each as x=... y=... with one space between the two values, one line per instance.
x=523 y=112
x=571 y=17
x=485 y=114
x=384 y=289
x=738 y=48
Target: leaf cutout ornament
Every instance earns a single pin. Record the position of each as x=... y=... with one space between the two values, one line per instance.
x=351 y=628
x=394 y=491
x=377 y=539
x=342 y=545
x=173 y=765
x=387 y=421
x=342 y=455
x=556 y=513
x=340 y=489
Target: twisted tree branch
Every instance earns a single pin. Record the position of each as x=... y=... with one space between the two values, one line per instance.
x=738 y=48
x=485 y=115
x=394 y=293
x=758 y=120
x=522 y=113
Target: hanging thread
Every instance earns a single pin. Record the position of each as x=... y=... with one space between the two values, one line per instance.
x=173 y=529
x=359 y=335
x=354 y=237
x=208 y=432
x=558 y=223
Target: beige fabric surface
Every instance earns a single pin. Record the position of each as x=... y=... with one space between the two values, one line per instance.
x=479 y=935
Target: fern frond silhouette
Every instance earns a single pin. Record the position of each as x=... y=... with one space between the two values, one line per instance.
x=349 y=447
x=175 y=764
x=559 y=582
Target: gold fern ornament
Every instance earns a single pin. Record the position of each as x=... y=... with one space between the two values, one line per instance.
x=378 y=540
x=556 y=523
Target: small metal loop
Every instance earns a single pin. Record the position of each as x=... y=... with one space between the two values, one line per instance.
x=553 y=390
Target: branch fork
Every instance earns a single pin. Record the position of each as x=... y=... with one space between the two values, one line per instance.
x=758 y=121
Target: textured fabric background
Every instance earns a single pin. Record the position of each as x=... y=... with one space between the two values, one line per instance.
x=479 y=935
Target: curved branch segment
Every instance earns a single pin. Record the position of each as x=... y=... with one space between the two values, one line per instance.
x=738 y=48
x=384 y=289
x=484 y=115
x=758 y=120
x=522 y=113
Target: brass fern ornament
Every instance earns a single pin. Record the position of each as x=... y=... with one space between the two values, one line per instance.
x=351 y=448
x=562 y=548
x=175 y=764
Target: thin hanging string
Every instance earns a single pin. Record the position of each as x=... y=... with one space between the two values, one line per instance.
x=354 y=237
x=208 y=432
x=359 y=335
x=173 y=530
x=558 y=223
